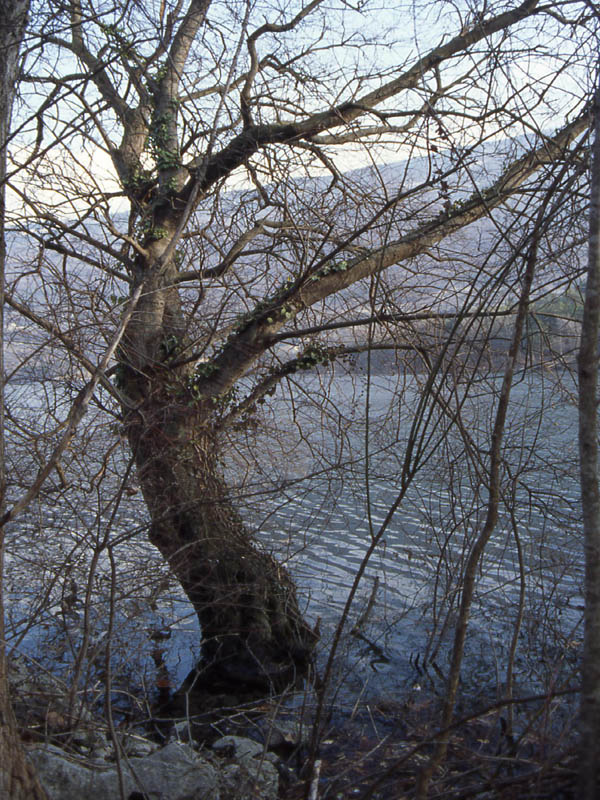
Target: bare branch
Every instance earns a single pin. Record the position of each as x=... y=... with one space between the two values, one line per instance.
x=239 y=150
x=76 y=414
x=254 y=62
x=246 y=345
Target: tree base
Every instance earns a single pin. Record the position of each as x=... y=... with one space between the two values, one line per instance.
x=210 y=691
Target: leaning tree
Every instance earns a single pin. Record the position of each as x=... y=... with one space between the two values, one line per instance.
x=195 y=175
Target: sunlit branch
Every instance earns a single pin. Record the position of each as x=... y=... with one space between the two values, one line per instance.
x=249 y=342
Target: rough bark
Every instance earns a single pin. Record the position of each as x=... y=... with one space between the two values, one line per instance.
x=254 y=637
x=18 y=780
x=17 y=777
x=589 y=784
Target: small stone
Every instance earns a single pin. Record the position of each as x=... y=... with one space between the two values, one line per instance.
x=102 y=754
x=138 y=746
x=181 y=732
x=237 y=747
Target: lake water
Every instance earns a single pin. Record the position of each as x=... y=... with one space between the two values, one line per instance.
x=330 y=500
x=418 y=563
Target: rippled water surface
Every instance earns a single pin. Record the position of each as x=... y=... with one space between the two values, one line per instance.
x=334 y=490
x=416 y=566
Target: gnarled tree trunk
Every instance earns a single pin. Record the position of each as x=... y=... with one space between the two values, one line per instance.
x=254 y=638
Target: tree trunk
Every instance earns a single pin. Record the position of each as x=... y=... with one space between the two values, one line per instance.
x=253 y=635
x=254 y=638
x=17 y=777
x=589 y=724
x=18 y=780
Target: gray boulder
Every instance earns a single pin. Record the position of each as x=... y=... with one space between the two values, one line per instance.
x=175 y=772
x=238 y=769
